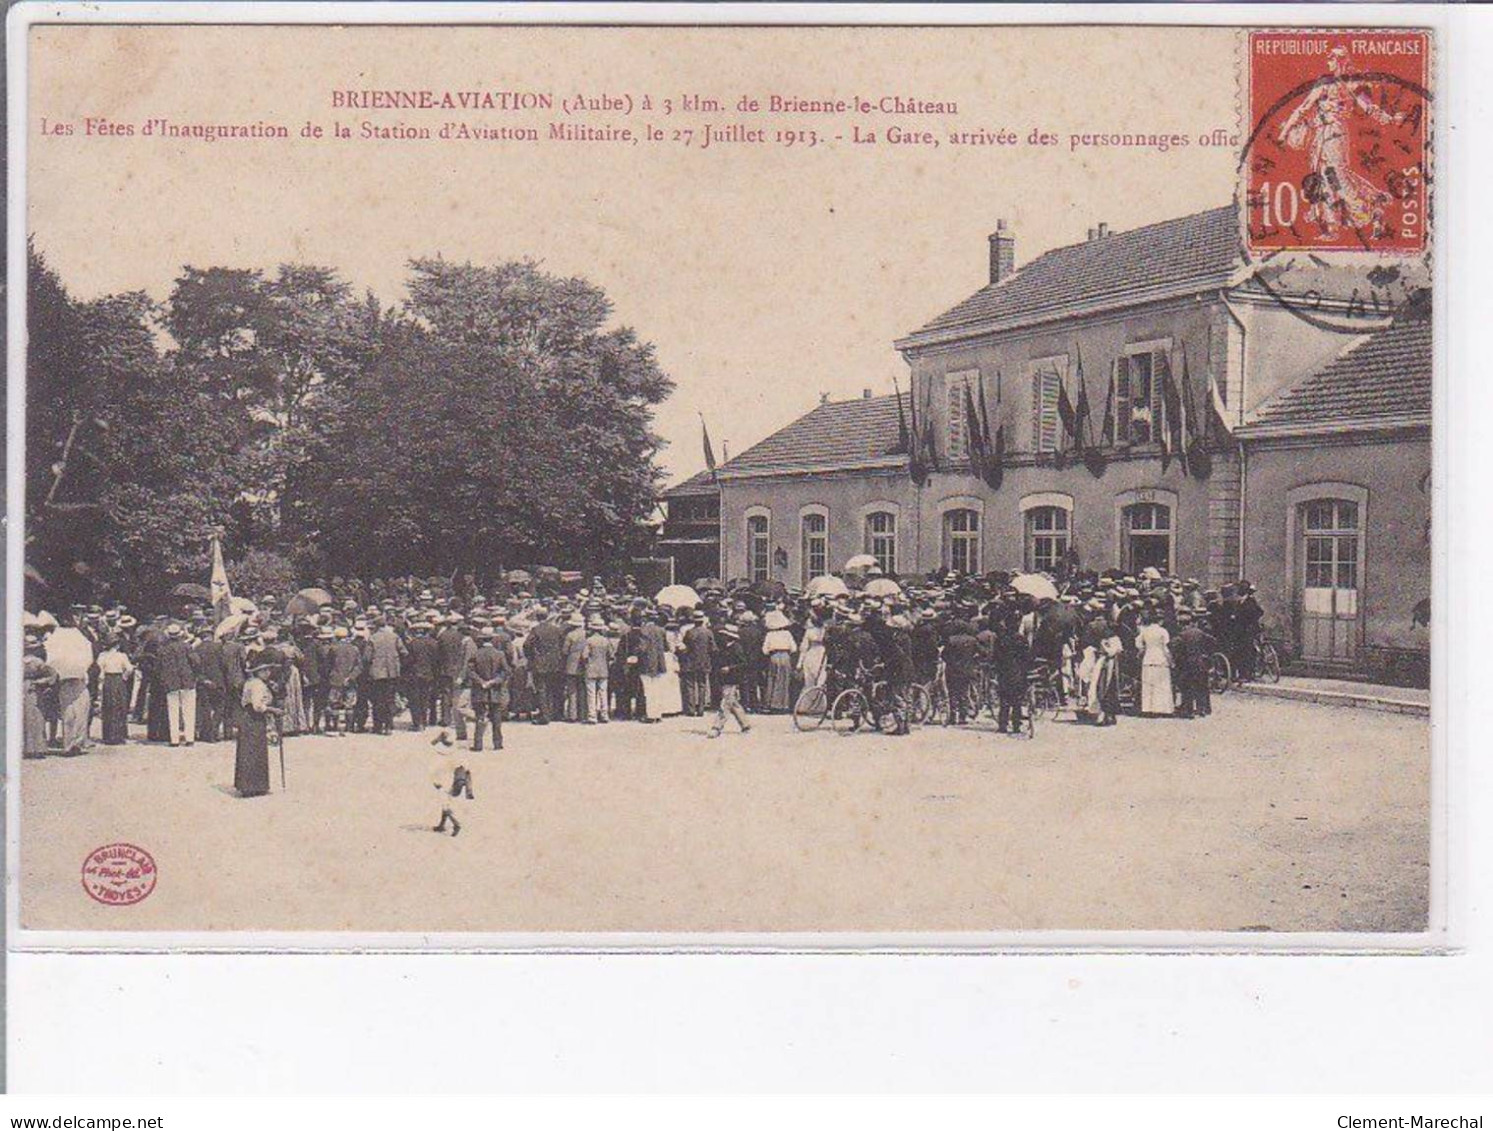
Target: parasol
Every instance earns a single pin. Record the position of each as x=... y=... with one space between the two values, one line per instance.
x=242 y=605
x=827 y=585
x=775 y=620
x=302 y=606
x=230 y=625
x=318 y=597
x=677 y=597
x=861 y=561
x=192 y=591
x=1034 y=585
x=883 y=587
x=70 y=653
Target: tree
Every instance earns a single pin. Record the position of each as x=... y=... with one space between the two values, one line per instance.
x=125 y=469
x=502 y=422
x=279 y=354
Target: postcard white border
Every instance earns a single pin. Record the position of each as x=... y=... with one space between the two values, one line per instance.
x=1450 y=742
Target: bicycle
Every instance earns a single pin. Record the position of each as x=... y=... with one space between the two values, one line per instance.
x=1220 y=673
x=810 y=709
x=870 y=699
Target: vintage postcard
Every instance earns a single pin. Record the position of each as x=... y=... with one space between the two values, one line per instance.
x=795 y=485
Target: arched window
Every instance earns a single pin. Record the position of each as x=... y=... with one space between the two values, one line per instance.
x=881 y=540
x=1046 y=538
x=1146 y=537
x=758 y=544
x=961 y=540
x=814 y=542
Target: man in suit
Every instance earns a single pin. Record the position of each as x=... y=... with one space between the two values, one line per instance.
x=386 y=653
x=1013 y=664
x=1192 y=652
x=231 y=657
x=344 y=665
x=753 y=662
x=653 y=652
x=695 y=665
x=451 y=642
x=318 y=658
x=420 y=671
x=180 y=681
x=575 y=670
x=488 y=676
x=207 y=661
x=545 y=648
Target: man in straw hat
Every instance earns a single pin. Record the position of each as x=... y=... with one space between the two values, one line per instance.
x=487 y=679
x=729 y=664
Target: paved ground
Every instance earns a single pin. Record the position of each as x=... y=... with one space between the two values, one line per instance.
x=1271 y=815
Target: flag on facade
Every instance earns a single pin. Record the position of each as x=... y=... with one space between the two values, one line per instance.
x=1199 y=458
x=990 y=472
x=705 y=439
x=996 y=473
x=1174 y=439
x=974 y=437
x=1220 y=410
x=903 y=438
x=1065 y=409
x=1081 y=411
x=217 y=584
x=930 y=449
x=1095 y=458
x=917 y=469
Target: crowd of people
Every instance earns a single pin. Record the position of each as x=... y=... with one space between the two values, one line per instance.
x=361 y=658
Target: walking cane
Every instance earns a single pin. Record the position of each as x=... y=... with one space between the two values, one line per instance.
x=280 y=742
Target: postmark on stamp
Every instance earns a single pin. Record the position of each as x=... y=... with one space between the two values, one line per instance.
x=119 y=874
x=1336 y=173
x=1337 y=157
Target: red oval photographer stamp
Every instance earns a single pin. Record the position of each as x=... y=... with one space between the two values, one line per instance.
x=119 y=874
x=1337 y=156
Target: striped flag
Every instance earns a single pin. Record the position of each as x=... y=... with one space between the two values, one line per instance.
x=218 y=583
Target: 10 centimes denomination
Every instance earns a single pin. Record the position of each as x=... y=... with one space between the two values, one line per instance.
x=1335 y=176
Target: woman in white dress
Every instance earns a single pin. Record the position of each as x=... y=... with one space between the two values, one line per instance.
x=662 y=691
x=811 y=652
x=1154 y=643
x=778 y=646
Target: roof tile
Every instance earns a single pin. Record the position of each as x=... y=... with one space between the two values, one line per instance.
x=1383 y=380
x=1200 y=250
x=834 y=434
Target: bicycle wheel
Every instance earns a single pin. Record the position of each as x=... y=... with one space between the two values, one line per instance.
x=809 y=711
x=850 y=709
x=938 y=700
x=920 y=707
x=1042 y=697
x=1269 y=664
x=890 y=711
x=1220 y=673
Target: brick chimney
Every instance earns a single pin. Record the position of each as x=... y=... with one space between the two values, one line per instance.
x=1002 y=253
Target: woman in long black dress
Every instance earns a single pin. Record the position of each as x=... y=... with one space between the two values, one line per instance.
x=251 y=767
x=115 y=669
x=157 y=714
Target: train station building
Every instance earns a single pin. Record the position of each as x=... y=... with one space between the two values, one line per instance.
x=1303 y=462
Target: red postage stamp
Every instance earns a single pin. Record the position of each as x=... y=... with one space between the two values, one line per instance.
x=1337 y=152
x=119 y=874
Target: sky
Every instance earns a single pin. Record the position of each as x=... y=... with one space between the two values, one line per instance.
x=765 y=276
